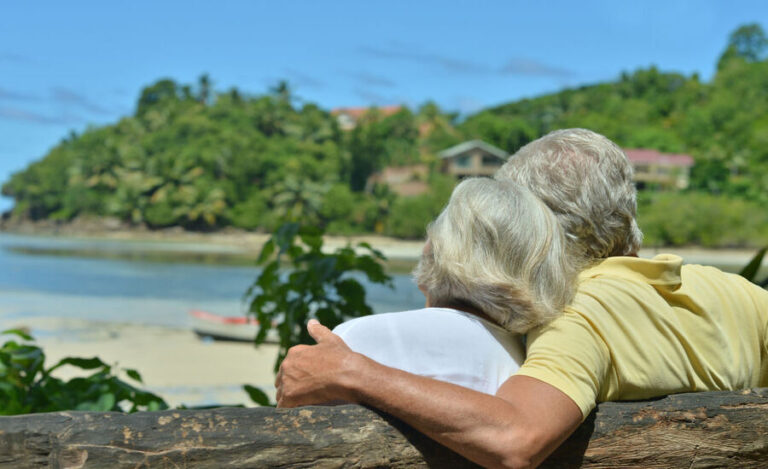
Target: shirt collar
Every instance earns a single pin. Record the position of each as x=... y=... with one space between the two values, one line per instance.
x=661 y=271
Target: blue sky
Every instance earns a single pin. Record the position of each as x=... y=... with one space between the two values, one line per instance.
x=67 y=65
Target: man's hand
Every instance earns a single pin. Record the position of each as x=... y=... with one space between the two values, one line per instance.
x=316 y=374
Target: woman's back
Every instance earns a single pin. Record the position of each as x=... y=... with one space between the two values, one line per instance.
x=440 y=343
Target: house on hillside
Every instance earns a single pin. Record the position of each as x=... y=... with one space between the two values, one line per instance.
x=472 y=158
x=663 y=170
x=347 y=117
x=405 y=181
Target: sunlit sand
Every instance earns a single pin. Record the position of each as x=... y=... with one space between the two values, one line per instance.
x=174 y=363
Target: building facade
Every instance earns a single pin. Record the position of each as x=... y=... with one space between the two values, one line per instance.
x=660 y=170
x=472 y=158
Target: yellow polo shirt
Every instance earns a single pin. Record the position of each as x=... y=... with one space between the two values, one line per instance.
x=641 y=328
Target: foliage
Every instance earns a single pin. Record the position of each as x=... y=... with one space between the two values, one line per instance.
x=409 y=217
x=508 y=134
x=196 y=160
x=257 y=395
x=722 y=124
x=748 y=42
x=751 y=270
x=316 y=285
x=26 y=386
x=675 y=219
x=377 y=141
x=203 y=159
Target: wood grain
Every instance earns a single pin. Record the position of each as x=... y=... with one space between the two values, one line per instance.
x=696 y=430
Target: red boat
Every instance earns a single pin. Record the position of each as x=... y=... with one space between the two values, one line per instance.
x=232 y=328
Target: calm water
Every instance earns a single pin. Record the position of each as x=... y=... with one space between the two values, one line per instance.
x=36 y=283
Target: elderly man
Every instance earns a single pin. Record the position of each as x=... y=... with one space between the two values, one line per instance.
x=636 y=328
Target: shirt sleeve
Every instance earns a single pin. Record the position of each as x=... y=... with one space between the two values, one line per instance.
x=570 y=355
x=361 y=334
x=760 y=301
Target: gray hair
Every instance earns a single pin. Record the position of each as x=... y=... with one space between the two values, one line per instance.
x=586 y=180
x=498 y=248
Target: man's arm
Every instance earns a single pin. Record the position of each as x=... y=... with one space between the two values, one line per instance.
x=518 y=427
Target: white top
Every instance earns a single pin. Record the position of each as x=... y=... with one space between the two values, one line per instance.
x=440 y=343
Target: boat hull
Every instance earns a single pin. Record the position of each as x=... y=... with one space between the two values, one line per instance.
x=228 y=328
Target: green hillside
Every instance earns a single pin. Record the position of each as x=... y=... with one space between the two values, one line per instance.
x=202 y=159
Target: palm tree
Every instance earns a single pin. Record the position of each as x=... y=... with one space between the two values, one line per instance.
x=297 y=199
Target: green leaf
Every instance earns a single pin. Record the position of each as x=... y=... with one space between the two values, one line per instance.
x=84 y=363
x=268 y=276
x=325 y=268
x=285 y=235
x=134 y=375
x=104 y=403
x=373 y=270
x=17 y=332
x=154 y=406
x=375 y=252
x=749 y=271
x=351 y=291
x=312 y=236
x=266 y=252
x=328 y=317
x=257 y=395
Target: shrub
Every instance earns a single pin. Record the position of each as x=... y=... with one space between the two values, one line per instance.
x=26 y=386
x=410 y=215
x=253 y=213
x=317 y=285
x=693 y=218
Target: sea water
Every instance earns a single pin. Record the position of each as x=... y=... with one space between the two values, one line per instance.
x=38 y=279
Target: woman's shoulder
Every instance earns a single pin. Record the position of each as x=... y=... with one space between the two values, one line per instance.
x=436 y=326
x=417 y=319
x=440 y=343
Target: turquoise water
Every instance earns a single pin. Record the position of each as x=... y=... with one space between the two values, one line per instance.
x=36 y=283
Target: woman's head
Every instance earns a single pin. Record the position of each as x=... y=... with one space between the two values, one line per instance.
x=498 y=248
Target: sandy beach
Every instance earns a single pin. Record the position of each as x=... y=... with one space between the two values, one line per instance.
x=174 y=363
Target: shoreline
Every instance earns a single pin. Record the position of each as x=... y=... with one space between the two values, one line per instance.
x=231 y=247
x=242 y=247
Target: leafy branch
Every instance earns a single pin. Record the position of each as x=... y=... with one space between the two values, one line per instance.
x=750 y=270
x=315 y=284
x=26 y=386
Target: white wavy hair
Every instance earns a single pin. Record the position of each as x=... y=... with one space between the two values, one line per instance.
x=497 y=248
x=586 y=180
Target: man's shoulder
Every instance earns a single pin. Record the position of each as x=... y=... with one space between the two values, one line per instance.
x=727 y=287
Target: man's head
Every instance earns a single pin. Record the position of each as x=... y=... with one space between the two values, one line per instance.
x=586 y=180
x=499 y=249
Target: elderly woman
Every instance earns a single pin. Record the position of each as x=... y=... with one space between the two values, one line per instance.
x=493 y=267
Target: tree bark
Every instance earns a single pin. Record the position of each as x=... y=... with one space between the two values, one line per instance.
x=697 y=430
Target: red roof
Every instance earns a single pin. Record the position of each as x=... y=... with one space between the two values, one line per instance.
x=641 y=155
x=358 y=112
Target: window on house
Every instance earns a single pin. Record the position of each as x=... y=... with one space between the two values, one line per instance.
x=462 y=161
x=489 y=160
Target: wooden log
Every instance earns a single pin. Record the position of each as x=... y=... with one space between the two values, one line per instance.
x=698 y=430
